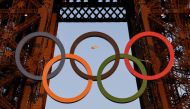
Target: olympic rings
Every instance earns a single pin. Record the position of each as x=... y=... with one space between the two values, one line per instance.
x=30 y=36
x=115 y=99
x=66 y=100
x=169 y=46
x=100 y=35
x=89 y=76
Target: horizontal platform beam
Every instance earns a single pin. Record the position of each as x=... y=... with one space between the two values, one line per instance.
x=94 y=11
x=18 y=11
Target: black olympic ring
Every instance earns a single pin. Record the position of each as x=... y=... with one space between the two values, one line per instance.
x=30 y=36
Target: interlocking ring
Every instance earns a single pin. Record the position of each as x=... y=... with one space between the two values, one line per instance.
x=54 y=96
x=89 y=76
x=115 y=99
x=30 y=36
x=99 y=35
x=169 y=46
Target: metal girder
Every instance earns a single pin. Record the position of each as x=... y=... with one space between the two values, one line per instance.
x=10 y=37
x=7 y=79
x=23 y=16
x=170 y=11
x=181 y=103
x=18 y=11
x=4 y=104
x=94 y=11
x=36 y=3
x=173 y=16
x=26 y=24
x=4 y=65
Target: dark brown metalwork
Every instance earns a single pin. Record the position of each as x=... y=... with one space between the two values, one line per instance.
x=168 y=17
x=172 y=19
x=94 y=10
x=17 y=19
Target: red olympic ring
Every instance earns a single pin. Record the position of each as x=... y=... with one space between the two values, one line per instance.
x=169 y=46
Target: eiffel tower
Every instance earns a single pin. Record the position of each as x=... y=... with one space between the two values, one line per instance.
x=171 y=18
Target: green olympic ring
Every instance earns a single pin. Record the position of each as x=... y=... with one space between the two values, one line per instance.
x=115 y=99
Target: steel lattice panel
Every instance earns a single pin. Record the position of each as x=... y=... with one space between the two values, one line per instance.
x=94 y=11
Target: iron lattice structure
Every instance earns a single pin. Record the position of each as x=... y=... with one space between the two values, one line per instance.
x=17 y=19
x=168 y=17
x=172 y=19
x=21 y=17
x=94 y=10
